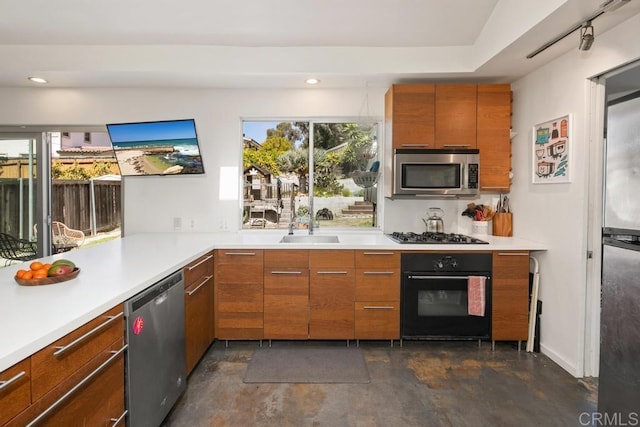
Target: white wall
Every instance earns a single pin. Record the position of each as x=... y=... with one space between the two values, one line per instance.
x=557 y=214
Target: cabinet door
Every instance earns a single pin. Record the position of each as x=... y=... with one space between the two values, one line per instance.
x=15 y=391
x=198 y=312
x=286 y=303
x=331 y=298
x=410 y=115
x=493 y=136
x=238 y=296
x=455 y=116
x=510 y=302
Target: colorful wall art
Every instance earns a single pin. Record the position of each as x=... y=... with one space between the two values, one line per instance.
x=551 y=154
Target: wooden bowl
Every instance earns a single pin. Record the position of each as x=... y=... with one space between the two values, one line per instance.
x=48 y=280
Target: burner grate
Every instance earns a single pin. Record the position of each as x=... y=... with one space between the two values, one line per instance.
x=434 y=238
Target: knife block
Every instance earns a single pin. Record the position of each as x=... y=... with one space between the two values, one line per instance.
x=503 y=224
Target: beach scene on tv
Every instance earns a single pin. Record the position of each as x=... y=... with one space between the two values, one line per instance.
x=156 y=148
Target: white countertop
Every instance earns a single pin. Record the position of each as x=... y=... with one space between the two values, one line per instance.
x=32 y=317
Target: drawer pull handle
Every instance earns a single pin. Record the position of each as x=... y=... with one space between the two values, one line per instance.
x=378 y=272
x=116 y=421
x=494 y=188
x=60 y=350
x=286 y=272
x=6 y=384
x=513 y=253
x=378 y=307
x=240 y=253
x=378 y=253
x=414 y=145
x=206 y=279
x=332 y=272
x=85 y=380
x=202 y=261
x=456 y=145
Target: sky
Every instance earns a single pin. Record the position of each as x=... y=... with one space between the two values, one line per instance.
x=152 y=131
x=257 y=130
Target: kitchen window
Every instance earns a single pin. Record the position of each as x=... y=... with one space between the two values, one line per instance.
x=278 y=179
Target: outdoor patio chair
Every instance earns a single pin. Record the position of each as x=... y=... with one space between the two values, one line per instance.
x=65 y=238
x=14 y=249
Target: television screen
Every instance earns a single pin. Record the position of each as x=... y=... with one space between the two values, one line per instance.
x=156 y=148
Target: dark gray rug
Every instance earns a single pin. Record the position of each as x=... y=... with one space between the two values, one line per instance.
x=307 y=365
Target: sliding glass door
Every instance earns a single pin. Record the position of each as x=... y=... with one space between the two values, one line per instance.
x=23 y=203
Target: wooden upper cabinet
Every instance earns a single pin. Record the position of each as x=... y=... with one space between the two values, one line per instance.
x=455 y=108
x=493 y=136
x=410 y=115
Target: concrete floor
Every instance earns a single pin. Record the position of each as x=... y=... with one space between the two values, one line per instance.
x=424 y=383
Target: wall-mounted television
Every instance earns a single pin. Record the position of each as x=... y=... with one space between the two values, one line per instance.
x=168 y=147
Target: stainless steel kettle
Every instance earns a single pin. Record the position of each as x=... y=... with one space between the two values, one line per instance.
x=434 y=221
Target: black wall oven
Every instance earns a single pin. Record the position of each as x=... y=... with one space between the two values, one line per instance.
x=435 y=299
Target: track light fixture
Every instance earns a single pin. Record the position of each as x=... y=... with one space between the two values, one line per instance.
x=586 y=36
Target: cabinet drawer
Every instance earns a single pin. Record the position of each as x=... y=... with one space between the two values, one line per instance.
x=331 y=259
x=58 y=361
x=91 y=396
x=15 y=390
x=232 y=273
x=377 y=259
x=240 y=256
x=286 y=258
x=378 y=285
x=198 y=270
x=377 y=320
x=511 y=265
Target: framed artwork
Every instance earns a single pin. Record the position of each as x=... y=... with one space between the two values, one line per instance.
x=551 y=152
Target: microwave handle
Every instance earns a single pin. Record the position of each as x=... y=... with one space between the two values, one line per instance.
x=465 y=176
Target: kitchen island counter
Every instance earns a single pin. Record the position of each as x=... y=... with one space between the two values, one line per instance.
x=33 y=317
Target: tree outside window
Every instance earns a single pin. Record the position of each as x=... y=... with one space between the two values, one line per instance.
x=276 y=174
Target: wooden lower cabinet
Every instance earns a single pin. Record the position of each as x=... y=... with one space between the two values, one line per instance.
x=198 y=309
x=510 y=296
x=238 y=296
x=286 y=303
x=15 y=390
x=331 y=294
x=377 y=306
x=82 y=384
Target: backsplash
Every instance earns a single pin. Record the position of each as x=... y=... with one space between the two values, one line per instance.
x=406 y=215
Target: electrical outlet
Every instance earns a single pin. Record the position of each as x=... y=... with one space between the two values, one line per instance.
x=177 y=223
x=192 y=224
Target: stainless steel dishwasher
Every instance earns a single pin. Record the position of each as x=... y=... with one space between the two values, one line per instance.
x=155 y=359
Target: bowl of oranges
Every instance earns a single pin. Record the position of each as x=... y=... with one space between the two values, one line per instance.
x=40 y=273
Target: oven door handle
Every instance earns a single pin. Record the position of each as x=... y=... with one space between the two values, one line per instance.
x=444 y=277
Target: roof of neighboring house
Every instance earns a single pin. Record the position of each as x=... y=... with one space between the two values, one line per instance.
x=86 y=151
x=250 y=143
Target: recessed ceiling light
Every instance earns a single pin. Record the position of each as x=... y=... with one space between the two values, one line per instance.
x=38 y=80
x=312 y=81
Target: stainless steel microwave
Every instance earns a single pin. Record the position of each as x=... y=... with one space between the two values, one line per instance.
x=447 y=172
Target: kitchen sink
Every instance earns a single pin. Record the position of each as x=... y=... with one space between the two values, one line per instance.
x=305 y=238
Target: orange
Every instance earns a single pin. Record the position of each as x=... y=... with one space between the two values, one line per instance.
x=20 y=273
x=35 y=265
x=40 y=274
x=28 y=275
x=45 y=267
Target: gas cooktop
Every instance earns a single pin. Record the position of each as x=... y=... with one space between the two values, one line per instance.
x=434 y=238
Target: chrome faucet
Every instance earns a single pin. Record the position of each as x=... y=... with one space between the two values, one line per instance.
x=293 y=208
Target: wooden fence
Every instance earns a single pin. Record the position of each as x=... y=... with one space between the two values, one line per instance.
x=70 y=204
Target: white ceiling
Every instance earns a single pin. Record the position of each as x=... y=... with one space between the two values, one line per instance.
x=279 y=43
